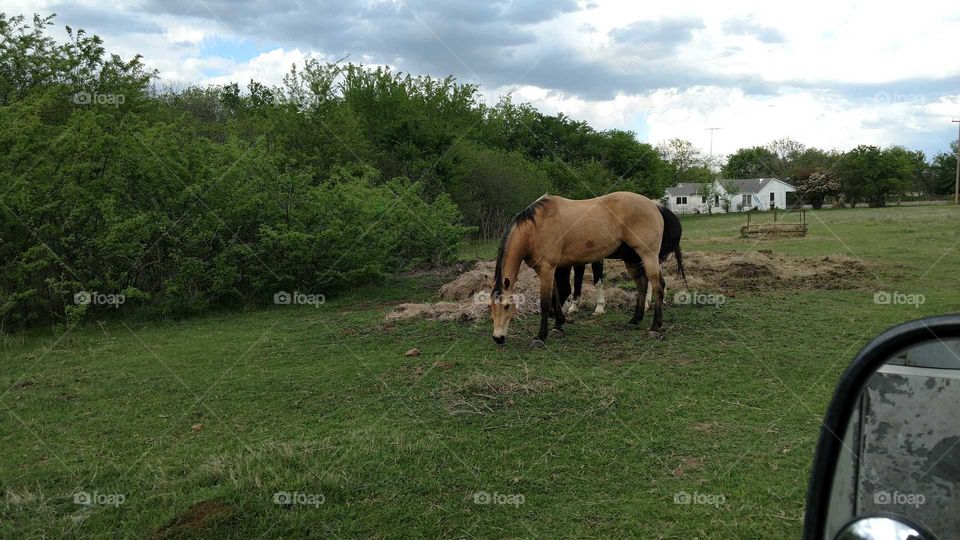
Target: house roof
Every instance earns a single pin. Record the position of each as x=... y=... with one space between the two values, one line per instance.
x=749 y=185
x=744 y=185
x=752 y=185
x=684 y=189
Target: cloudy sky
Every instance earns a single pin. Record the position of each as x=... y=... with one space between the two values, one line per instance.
x=827 y=73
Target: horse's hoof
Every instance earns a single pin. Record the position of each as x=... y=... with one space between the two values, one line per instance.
x=559 y=331
x=537 y=344
x=656 y=335
x=598 y=311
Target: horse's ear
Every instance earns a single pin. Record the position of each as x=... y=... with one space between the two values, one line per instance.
x=506 y=283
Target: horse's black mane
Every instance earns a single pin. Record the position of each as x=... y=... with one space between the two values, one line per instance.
x=527 y=214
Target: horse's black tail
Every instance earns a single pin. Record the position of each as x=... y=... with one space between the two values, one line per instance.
x=672 y=231
x=679 y=256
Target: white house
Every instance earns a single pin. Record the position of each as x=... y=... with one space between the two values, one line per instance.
x=751 y=193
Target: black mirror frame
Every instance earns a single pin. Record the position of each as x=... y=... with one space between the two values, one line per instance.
x=845 y=398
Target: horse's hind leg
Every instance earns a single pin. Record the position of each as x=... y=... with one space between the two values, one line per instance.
x=597 y=269
x=663 y=285
x=577 y=288
x=562 y=284
x=651 y=266
x=640 y=279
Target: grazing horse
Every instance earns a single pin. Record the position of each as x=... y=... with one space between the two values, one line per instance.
x=555 y=232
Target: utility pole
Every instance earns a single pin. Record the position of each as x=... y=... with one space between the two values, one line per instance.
x=711 y=130
x=956 y=182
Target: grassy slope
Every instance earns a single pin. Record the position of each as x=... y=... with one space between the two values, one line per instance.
x=598 y=431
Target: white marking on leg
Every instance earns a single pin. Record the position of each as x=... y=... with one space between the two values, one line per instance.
x=600 y=300
x=646 y=302
x=574 y=305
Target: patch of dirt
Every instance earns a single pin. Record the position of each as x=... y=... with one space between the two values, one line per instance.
x=196 y=519
x=704 y=427
x=687 y=464
x=484 y=394
x=726 y=272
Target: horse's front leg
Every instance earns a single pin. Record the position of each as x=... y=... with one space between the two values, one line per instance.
x=546 y=300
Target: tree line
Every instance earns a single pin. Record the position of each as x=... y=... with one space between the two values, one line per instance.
x=188 y=199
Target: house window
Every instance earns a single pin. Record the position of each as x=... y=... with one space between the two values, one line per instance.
x=745 y=200
x=773 y=197
x=703 y=199
x=716 y=200
x=681 y=200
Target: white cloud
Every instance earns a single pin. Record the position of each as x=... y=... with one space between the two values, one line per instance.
x=268 y=68
x=820 y=79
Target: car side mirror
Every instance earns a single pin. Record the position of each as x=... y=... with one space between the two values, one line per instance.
x=887 y=465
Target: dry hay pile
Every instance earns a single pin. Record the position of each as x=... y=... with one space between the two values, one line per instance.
x=760 y=270
x=467 y=297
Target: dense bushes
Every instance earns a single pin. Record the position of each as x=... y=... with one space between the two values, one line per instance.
x=186 y=200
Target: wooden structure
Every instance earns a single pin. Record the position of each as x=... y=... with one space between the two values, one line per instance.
x=775 y=228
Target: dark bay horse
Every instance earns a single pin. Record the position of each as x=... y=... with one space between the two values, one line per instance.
x=672 y=231
x=562 y=279
x=555 y=232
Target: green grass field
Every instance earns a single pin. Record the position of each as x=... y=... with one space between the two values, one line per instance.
x=193 y=426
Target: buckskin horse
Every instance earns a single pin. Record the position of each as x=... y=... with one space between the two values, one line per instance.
x=554 y=232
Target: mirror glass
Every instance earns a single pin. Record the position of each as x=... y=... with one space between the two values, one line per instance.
x=901 y=451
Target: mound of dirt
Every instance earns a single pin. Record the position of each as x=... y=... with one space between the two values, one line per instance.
x=725 y=272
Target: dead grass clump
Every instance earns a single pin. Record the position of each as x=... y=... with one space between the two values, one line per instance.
x=484 y=394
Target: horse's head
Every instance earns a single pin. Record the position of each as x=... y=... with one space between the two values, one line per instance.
x=503 y=306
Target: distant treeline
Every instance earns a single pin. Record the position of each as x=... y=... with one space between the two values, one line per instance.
x=865 y=174
x=221 y=196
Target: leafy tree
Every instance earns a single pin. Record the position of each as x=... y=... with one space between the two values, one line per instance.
x=871 y=174
x=753 y=162
x=785 y=153
x=942 y=172
x=492 y=185
x=685 y=162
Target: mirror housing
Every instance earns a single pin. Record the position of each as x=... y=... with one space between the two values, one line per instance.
x=846 y=399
